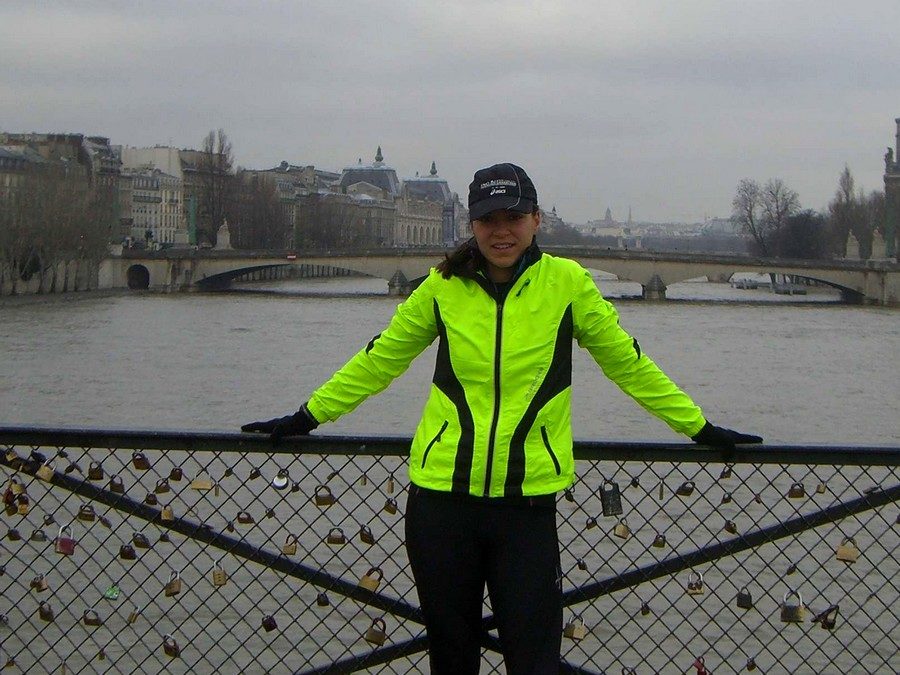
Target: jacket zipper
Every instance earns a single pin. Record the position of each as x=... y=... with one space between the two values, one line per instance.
x=492 y=438
x=436 y=439
x=549 y=449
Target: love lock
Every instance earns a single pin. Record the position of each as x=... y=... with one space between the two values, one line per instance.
x=645 y=608
x=847 y=551
x=162 y=486
x=610 y=498
x=730 y=527
x=621 y=530
x=744 y=599
x=254 y=474
x=133 y=615
x=269 y=624
x=828 y=618
x=202 y=484
x=151 y=499
x=365 y=535
x=38 y=536
x=39 y=584
x=91 y=618
x=95 y=471
x=168 y=514
x=45 y=611
x=140 y=461
x=322 y=600
x=726 y=472
x=390 y=485
x=173 y=585
x=282 y=480
x=139 y=539
x=569 y=496
x=336 y=537
x=371 y=579
x=726 y=498
x=792 y=613
x=796 y=491
x=659 y=541
x=116 y=485
x=290 y=545
x=575 y=629
x=695 y=587
x=244 y=518
x=65 y=543
x=45 y=472
x=86 y=512
x=176 y=474
x=686 y=489
x=13 y=534
x=390 y=506
x=23 y=504
x=127 y=552
x=323 y=496
x=377 y=632
x=591 y=523
x=219 y=576
x=170 y=647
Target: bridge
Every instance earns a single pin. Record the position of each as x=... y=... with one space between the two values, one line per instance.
x=870 y=282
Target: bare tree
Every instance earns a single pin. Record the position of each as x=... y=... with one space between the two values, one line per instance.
x=216 y=179
x=747 y=214
x=256 y=217
x=779 y=203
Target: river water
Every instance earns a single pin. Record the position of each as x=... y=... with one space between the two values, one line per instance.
x=810 y=372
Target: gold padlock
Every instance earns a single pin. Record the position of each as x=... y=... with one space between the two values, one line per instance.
x=390 y=485
x=91 y=618
x=575 y=629
x=290 y=545
x=336 y=537
x=202 y=484
x=173 y=585
x=168 y=514
x=45 y=472
x=796 y=491
x=371 y=579
x=659 y=541
x=16 y=487
x=39 y=584
x=86 y=512
x=820 y=489
x=377 y=632
x=170 y=647
x=792 y=613
x=133 y=615
x=162 y=486
x=695 y=587
x=390 y=506
x=323 y=496
x=365 y=535
x=847 y=550
x=622 y=530
x=219 y=575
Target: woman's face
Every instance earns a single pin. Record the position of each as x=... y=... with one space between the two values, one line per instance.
x=502 y=237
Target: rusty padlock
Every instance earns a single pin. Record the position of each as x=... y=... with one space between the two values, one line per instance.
x=695 y=587
x=744 y=599
x=127 y=552
x=176 y=474
x=322 y=600
x=170 y=646
x=173 y=585
x=162 y=486
x=610 y=498
x=751 y=664
x=390 y=506
x=13 y=534
x=371 y=579
x=45 y=472
x=847 y=551
x=659 y=541
x=95 y=471
x=39 y=583
x=91 y=618
x=281 y=480
x=65 y=545
x=140 y=461
x=290 y=545
x=45 y=611
x=336 y=536
x=167 y=514
x=686 y=489
x=219 y=575
x=365 y=535
x=268 y=623
x=116 y=485
x=730 y=527
x=792 y=613
x=86 y=512
x=151 y=499
x=323 y=496
x=796 y=491
x=38 y=536
x=244 y=518
x=377 y=632
x=139 y=539
x=828 y=618
x=575 y=629
x=202 y=484
x=621 y=530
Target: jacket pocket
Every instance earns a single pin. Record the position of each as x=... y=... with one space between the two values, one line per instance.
x=434 y=440
x=549 y=449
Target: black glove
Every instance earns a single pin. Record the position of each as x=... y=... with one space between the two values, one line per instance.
x=720 y=437
x=298 y=424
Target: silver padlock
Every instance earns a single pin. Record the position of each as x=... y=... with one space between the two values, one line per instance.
x=792 y=613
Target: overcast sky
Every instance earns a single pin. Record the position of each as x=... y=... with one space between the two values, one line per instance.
x=660 y=105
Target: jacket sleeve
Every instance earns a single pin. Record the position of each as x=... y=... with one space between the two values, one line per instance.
x=386 y=357
x=619 y=355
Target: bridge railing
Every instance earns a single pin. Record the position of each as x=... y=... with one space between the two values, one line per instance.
x=149 y=551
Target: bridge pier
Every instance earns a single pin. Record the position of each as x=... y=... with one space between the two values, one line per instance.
x=654 y=289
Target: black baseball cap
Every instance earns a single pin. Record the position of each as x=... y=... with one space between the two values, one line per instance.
x=501 y=186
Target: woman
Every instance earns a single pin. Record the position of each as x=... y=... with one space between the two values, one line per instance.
x=494 y=444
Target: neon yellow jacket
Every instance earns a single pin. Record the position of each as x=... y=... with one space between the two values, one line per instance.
x=498 y=418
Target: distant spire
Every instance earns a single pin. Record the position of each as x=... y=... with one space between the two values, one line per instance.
x=433 y=169
x=378 y=155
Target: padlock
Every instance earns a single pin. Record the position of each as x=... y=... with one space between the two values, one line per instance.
x=376 y=633
x=23 y=504
x=16 y=487
x=792 y=613
x=105 y=522
x=167 y=514
x=13 y=534
x=581 y=564
x=390 y=506
x=116 y=485
x=11 y=455
x=202 y=484
x=244 y=518
x=49 y=519
x=39 y=583
x=133 y=615
x=322 y=600
x=151 y=499
x=176 y=474
x=112 y=593
x=828 y=618
x=336 y=536
x=228 y=472
x=591 y=523
x=751 y=664
x=757 y=498
x=45 y=472
x=695 y=587
x=86 y=512
x=323 y=496
x=45 y=611
x=820 y=489
x=229 y=526
x=645 y=608
x=569 y=495
x=72 y=467
x=162 y=486
x=290 y=545
x=140 y=461
x=38 y=536
x=127 y=552
x=10 y=509
x=796 y=491
x=726 y=472
x=219 y=575
x=363 y=479
x=173 y=585
x=730 y=527
x=164 y=537
x=95 y=471
x=390 y=485
x=65 y=545
x=610 y=498
x=575 y=629
x=635 y=481
x=726 y=498
x=659 y=541
x=744 y=599
x=254 y=474
x=847 y=550
x=686 y=489
x=170 y=647
x=139 y=539
x=281 y=480
x=295 y=486
x=791 y=569
x=91 y=618
x=365 y=535
x=662 y=491
x=622 y=530
x=371 y=579
x=268 y=623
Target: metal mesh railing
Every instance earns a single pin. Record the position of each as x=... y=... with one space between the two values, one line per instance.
x=143 y=552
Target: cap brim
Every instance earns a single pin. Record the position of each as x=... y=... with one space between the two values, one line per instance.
x=500 y=203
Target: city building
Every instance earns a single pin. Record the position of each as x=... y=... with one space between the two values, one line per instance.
x=892 y=197
x=435 y=190
x=157 y=207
